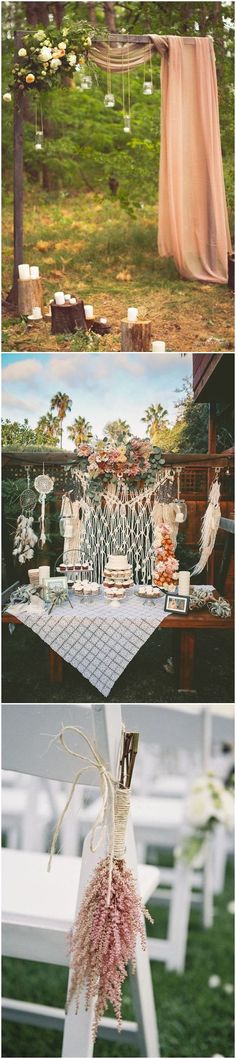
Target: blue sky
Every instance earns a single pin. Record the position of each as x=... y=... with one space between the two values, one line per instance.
x=102 y=386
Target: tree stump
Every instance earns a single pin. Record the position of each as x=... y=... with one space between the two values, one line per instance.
x=68 y=318
x=30 y=293
x=136 y=337
x=99 y=328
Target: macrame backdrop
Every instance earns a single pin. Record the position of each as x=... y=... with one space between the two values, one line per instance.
x=193 y=222
x=116 y=522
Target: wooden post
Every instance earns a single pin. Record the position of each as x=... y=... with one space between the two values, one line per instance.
x=12 y=298
x=136 y=337
x=211 y=449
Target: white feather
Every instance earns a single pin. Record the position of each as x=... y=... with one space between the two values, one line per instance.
x=209 y=527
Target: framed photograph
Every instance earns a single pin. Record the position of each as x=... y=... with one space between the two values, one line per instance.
x=176 y=604
x=56 y=584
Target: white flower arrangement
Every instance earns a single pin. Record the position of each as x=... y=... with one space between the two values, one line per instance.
x=25 y=539
x=45 y=54
x=207 y=804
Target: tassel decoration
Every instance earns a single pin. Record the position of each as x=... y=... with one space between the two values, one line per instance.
x=210 y=525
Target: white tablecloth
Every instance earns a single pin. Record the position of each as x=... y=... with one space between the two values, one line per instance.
x=96 y=637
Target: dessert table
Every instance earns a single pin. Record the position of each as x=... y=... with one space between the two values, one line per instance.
x=100 y=638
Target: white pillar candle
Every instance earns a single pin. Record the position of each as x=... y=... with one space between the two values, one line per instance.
x=132 y=314
x=59 y=297
x=103 y=319
x=179 y=517
x=67 y=297
x=34 y=272
x=184 y=583
x=36 y=312
x=24 y=271
x=158 y=347
x=88 y=312
x=44 y=573
x=72 y=301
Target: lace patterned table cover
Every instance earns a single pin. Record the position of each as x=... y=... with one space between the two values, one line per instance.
x=95 y=637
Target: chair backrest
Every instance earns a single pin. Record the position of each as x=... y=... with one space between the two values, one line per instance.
x=171 y=727
x=29 y=738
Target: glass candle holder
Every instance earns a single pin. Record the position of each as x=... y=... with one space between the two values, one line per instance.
x=127 y=123
x=38 y=141
x=109 y=100
x=147 y=88
x=86 y=82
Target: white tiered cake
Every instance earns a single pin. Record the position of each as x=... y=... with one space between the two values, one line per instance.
x=118 y=572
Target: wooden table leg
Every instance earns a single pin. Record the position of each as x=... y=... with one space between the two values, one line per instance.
x=55 y=667
x=186 y=659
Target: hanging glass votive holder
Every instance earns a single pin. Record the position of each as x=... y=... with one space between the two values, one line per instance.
x=38 y=140
x=86 y=82
x=147 y=88
x=127 y=123
x=109 y=100
x=181 y=511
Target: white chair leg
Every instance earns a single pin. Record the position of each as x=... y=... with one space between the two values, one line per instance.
x=208 y=901
x=219 y=859
x=77 y=1036
x=144 y=1007
x=179 y=913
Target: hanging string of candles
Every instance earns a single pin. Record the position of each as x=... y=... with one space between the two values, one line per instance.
x=148 y=84
x=126 y=108
x=109 y=99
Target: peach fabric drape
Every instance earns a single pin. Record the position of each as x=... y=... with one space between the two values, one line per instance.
x=193 y=221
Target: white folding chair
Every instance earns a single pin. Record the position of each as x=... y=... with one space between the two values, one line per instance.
x=39 y=908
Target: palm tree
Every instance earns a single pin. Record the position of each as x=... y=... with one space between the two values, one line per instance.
x=48 y=428
x=62 y=402
x=117 y=431
x=80 y=431
x=155 y=417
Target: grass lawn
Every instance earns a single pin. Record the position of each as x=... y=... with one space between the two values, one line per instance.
x=26 y=672
x=89 y=246
x=193 y=1019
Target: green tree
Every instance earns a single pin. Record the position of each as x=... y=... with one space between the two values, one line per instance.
x=17 y=435
x=63 y=403
x=48 y=430
x=80 y=431
x=117 y=431
x=156 y=418
x=192 y=418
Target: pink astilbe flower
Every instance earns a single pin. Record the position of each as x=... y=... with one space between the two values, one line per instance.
x=103 y=938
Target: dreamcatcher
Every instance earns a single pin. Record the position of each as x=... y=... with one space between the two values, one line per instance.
x=44 y=485
x=25 y=538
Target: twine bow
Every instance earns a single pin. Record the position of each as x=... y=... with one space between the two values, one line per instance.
x=58 y=597
x=108 y=789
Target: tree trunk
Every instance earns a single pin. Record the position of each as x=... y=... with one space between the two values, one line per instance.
x=91 y=14
x=110 y=16
x=136 y=337
x=37 y=13
x=12 y=298
x=58 y=11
